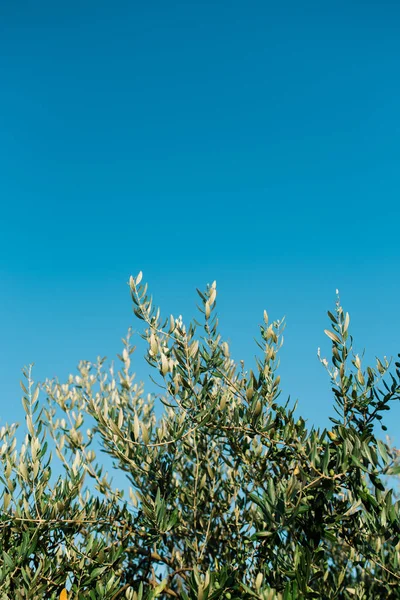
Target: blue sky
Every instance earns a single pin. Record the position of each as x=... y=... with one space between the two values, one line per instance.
x=254 y=143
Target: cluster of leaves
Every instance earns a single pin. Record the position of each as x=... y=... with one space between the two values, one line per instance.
x=230 y=495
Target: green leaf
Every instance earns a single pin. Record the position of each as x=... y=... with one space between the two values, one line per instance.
x=383 y=452
x=332 y=336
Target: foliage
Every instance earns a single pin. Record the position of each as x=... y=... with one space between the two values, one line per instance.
x=231 y=495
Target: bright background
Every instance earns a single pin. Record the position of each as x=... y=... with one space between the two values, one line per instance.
x=254 y=143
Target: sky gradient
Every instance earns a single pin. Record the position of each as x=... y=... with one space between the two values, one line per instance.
x=254 y=143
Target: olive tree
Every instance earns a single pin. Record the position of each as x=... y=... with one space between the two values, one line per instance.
x=228 y=493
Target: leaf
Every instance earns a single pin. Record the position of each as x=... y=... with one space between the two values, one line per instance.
x=332 y=336
x=164 y=364
x=325 y=460
x=160 y=587
x=271 y=491
x=153 y=344
x=35 y=395
x=333 y=437
x=356 y=461
x=212 y=296
x=136 y=427
x=8 y=560
x=332 y=317
x=394 y=470
x=383 y=452
x=249 y=393
x=259 y=580
x=380 y=366
x=249 y=591
x=145 y=433
x=263 y=534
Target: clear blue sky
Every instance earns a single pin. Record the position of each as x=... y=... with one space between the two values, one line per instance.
x=254 y=143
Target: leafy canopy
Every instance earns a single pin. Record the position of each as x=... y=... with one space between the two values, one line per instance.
x=230 y=495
